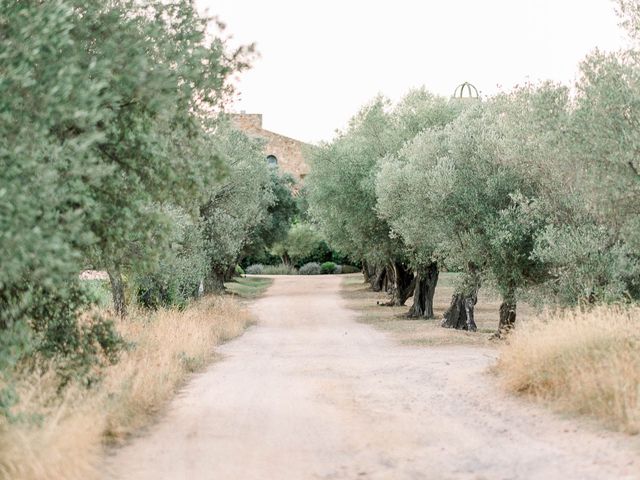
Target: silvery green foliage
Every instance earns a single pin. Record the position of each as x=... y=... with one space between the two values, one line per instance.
x=165 y=75
x=502 y=187
x=255 y=269
x=593 y=252
x=237 y=204
x=43 y=88
x=593 y=248
x=629 y=12
x=105 y=114
x=507 y=184
x=410 y=186
x=301 y=241
x=341 y=185
x=606 y=141
x=585 y=266
x=467 y=198
x=311 y=268
x=181 y=266
x=342 y=182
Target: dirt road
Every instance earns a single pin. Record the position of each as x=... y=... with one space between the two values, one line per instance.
x=311 y=394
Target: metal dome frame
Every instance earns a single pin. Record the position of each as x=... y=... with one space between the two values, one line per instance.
x=471 y=90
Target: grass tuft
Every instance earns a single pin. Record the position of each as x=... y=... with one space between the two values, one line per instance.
x=64 y=436
x=585 y=362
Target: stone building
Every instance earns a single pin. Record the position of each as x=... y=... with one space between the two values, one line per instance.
x=285 y=152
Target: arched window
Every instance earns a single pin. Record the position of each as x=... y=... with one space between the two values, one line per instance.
x=272 y=160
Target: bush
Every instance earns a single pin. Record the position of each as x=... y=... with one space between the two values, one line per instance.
x=62 y=329
x=99 y=291
x=350 y=269
x=327 y=268
x=263 y=258
x=255 y=269
x=279 y=270
x=239 y=271
x=322 y=253
x=175 y=277
x=311 y=268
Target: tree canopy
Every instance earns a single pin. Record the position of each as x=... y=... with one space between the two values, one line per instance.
x=533 y=191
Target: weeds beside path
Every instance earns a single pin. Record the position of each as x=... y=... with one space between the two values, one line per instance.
x=64 y=438
x=577 y=361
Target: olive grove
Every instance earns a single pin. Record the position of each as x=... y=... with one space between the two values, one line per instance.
x=116 y=155
x=533 y=192
x=342 y=191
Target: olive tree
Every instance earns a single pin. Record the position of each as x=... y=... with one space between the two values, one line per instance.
x=342 y=195
x=301 y=241
x=343 y=184
x=50 y=123
x=108 y=114
x=473 y=198
x=518 y=147
x=236 y=206
x=594 y=251
x=176 y=275
x=278 y=218
x=404 y=202
x=164 y=77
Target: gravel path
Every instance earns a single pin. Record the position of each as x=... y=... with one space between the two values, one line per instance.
x=311 y=394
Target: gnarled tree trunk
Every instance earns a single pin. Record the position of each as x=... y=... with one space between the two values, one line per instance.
x=378 y=279
x=425 y=286
x=402 y=286
x=507 y=313
x=460 y=314
x=214 y=281
x=229 y=273
x=387 y=282
x=117 y=291
x=286 y=259
x=365 y=272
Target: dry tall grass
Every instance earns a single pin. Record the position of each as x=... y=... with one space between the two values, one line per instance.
x=68 y=439
x=581 y=361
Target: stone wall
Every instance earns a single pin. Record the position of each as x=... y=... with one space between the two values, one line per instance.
x=288 y=151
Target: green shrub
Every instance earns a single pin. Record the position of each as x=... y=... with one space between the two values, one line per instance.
x=239 y=271
x=99 y=291
x=154 y=291
x=311 y=268
x=176 y=277
x=255 y=269
x=328 y=268
x=63 y=331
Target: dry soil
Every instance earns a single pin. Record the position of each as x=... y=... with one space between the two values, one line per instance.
x=309 y=393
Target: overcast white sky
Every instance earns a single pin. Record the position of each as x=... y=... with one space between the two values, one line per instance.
x=321 y=61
